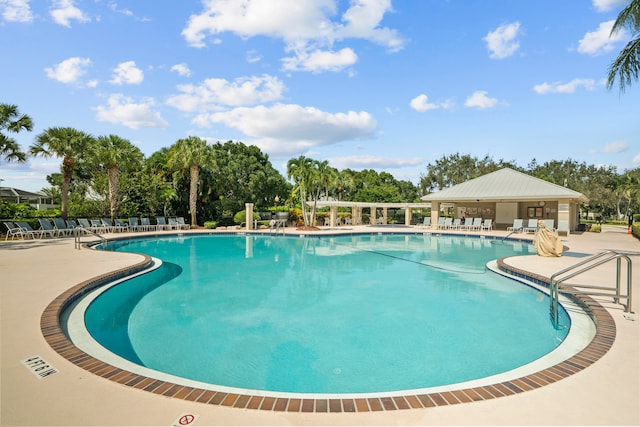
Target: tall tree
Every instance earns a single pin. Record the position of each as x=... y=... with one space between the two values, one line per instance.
x=301 y=171
x=626 y=66
x=70 y=144
x=113 y=154
x=12 y=121
x=189 y=154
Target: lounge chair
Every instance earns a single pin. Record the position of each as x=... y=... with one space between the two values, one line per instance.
x=108 y=225
x=517 y=225
x=161 y=223
x=532 y=226
x=477 y=224
x=13 y=231
x=73 y=226
x=426 y=222
x=84 y=223
x=457 y=223
x=563 y=226
x=173 y=223
x=468 y=224
x=447 y=223
x=120 y=225
x=47 y=228
x=133 y=224
x=549 y=224
x=441 y=221
x=97 y=226
x=145 y=224
x=487 y=225
x=327 y=221
x=181 y=224
x=29 y=231
x=62 y=227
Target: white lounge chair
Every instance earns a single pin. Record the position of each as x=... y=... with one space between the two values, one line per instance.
x=426 y=222
x=477 y=224
x=532 y=226
x=563 y=226
x=487 y=225
x=441 y=222
x=13 y=231
x=549 y=223
x=468 y=223
x=457 y=222
x=517 y=225
x=448 y=222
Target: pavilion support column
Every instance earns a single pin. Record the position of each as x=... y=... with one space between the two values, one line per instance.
x=333 y=215
x=435 y=214
x=385 y=216
x=372 y=217
x=249 y=216
x=564 y=213
x=408 y=213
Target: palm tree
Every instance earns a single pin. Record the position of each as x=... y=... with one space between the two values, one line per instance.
x=12 y=121
x=190 y=154
x=70 y=144
x=627 y=65
x=299 y=170
x=113 y=153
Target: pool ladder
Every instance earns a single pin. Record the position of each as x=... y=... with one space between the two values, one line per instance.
x=278 y=225
x=557 y=279
x=78 y=243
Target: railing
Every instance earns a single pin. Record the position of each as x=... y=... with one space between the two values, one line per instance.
x=276 y=225
x=78 y=243
x=556 y=280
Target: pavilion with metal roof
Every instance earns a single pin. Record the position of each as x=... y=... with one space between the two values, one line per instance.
x=507 y=194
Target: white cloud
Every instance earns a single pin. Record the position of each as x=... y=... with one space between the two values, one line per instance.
x=479 y=99
x=636 y=159
x=421 y=103
x=615 y=147
x=16 y=11
x=502 y=42
x=253 y=56
x=123 y=110
x=213 y=93
x=64 y=11
x=69 y=71
x=290 y=128
x=182 y=69
x=368 y=162
x=318 y=60
x=308 y=29
x=599 y=41
x=607 y=5
x=570 y=87
x=127 y=73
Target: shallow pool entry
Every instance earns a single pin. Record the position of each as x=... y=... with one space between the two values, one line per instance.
x=342 y=314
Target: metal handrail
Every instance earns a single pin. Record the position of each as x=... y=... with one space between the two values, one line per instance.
x=78 y=243
x=604 y=257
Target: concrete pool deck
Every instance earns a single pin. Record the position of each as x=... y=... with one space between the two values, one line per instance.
x=33 y=273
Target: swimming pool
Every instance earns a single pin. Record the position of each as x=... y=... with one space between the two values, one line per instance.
x=341 y=314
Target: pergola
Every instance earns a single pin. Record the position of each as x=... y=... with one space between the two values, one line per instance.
x=357 y=207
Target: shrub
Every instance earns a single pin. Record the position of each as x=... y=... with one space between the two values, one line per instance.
x=595 y=228
x=210 y=224
x=241 y=217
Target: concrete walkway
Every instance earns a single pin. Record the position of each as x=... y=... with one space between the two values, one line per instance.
x=33 y=273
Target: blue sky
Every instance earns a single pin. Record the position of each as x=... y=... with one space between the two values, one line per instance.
x=376 y=84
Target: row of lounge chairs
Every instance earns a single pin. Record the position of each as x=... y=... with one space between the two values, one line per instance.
x=471 y=224
x=60 y=228
x=532 y=225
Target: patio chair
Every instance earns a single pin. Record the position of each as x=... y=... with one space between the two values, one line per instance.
x=563 y=227
x=426 y=222
x=172 y=223
x=97 y=226
x=73 y=226
x=13 y=231
x=517 y=225
x=532 y=225
x=84 y=223
x=47 y=228
x=487 y=225
x=61 y=226
x=549 y=224
x=108 y=225
x=441 y=221
x=476 y=224
x=145 y=224
x=28 y=230
x=182 y=225
x=134 y=225
x=120 y=225
x=468 y=223
x=448 y=222
x=161 y=223
x=456 y=224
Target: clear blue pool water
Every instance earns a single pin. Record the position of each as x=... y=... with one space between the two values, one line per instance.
x=343 y=314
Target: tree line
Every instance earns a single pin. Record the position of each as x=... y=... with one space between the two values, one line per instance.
x=110 y=176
